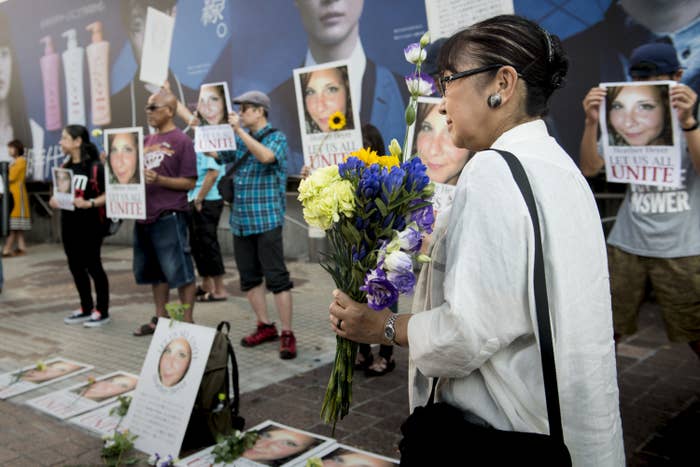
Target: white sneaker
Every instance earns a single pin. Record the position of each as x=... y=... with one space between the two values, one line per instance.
x=77 y=317
x=96 y=320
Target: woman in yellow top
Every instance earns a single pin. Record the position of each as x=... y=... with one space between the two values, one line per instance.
x=20 y=219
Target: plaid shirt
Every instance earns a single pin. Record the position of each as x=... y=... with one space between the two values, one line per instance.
x=260 y=189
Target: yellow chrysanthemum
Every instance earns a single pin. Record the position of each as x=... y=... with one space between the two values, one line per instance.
x=388 y=161
x=325 y=196
x=337 y=121
x=367 y=156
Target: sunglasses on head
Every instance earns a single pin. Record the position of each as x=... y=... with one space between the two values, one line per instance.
x=153 y=107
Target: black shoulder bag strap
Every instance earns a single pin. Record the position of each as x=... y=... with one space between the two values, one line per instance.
x=541 y=304
x=247 y=154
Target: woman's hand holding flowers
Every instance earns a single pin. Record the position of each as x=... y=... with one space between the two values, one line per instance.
x=358 y=322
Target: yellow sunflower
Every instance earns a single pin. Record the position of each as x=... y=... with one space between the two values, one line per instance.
x=337 y=121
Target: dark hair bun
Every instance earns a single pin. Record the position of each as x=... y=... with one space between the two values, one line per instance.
x=559 y=64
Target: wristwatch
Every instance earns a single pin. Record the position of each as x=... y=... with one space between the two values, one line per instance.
x=92 y=203
x=390 y=330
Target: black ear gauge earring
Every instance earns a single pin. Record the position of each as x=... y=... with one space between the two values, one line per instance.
x=494 y=100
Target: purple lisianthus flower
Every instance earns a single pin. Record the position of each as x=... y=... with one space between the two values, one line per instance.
x=410 y=240
x=416 y=177
x=403 y=281
x=350 y=168
x=398 y=261
x=371 y=182
x=381 y=293
x=414 y=53
x=420 y=84
x=424 y=217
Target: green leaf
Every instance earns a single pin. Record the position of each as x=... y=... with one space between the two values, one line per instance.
x=382 y=207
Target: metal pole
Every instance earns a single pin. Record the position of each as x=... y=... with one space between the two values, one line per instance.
x=5 y=205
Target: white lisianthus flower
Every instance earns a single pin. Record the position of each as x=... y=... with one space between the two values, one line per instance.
x=398 y=261
x=414 y=53
x=420 y=84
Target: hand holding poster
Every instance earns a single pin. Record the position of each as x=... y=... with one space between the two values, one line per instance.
x=41 y=374
x=214 y=132
x=328 y=117
x=124 y=180
x=168 y=384
x=85 y=396
x=63 y=191
x=157 y=40
x=640 y=135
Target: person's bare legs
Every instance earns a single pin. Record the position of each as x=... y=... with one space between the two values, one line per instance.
x=219 y=290
x=186 y=294
x=7 y=249
x=256 y=297
x=21 y=245
x=283 y=302
x=207 y=284
x=161 y=294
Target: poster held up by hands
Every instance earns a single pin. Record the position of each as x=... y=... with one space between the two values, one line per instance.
x=329 y=118
x=157 y=40
x=63 y=191
x=640 y=135
x=214 y=132
x=125 y=185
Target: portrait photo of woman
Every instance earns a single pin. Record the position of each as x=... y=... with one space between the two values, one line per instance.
x=432 y=143
x=212 y=106
x=107 y=388
x=278 y=445
x=326 y=92
x=639 y=115
x=343 y=457
x=174 y=362
x=124 y=158
x=63 y=180
x=52 y=371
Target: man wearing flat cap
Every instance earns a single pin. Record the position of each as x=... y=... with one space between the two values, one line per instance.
x=655 y=238
x=257 y=216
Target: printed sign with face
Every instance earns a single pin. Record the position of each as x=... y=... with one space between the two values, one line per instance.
x=41 y=374
x=213 y=108
x=124 y=179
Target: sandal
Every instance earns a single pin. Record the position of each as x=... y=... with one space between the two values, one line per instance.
x=209 y=297
x=390 y=365
x=200 y=291
x=363 y=362
x=148 y=328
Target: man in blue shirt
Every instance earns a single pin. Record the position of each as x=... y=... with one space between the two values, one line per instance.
x=257 y=215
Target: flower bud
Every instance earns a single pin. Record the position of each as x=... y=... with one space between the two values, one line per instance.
x=410 y=114
x=395 y=148
x=425 y=40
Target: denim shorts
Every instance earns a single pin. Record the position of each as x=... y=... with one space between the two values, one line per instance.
x=162 y=252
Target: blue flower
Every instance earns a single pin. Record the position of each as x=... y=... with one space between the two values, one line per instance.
x=371 y=182
x=350 y=168
x=399 y=223
x=358 y=255
x=381 y=293
x=424 y=217
x=393 y=181
x=416 y=178
x=403 y=281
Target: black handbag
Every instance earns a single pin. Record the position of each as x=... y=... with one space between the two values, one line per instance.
x=441 y=434
x=225 y=184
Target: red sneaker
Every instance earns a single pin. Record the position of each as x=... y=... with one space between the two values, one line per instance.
x=288 y=345
x=264 y=333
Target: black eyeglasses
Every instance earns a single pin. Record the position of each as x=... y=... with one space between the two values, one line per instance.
x=442 y=82
x=153 y=107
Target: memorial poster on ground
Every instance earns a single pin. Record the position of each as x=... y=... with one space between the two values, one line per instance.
x=640 y=134
x=329 y=119
x=339 y=455
x=213 y=108
x=446 y=17
x=38 y=375
x=100 y=421
x=157 y=41
x=88 y=395
x=125 y=184
x=63 y=191
x=168 y=384
x=277 y=445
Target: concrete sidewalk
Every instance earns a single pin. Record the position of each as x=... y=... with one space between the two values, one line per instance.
x=659 y=381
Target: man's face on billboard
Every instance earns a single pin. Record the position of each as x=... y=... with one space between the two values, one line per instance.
x=329 y=22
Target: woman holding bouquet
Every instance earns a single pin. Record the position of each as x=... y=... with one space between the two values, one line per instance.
x=476 y=333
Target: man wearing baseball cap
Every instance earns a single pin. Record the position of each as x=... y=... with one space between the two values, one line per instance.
x=655 y=238
x=257 y=216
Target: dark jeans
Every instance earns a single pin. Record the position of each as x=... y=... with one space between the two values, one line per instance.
x=203 y=239
x=83 y=244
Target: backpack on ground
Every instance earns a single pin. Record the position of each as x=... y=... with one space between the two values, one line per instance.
x=214 y=414
x=110 y=226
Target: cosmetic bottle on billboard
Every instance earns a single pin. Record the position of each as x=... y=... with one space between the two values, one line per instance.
x=73 y=70
x=98 y=60
x=50 y=64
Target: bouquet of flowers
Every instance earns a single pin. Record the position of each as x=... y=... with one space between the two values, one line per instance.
x=375 y=210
